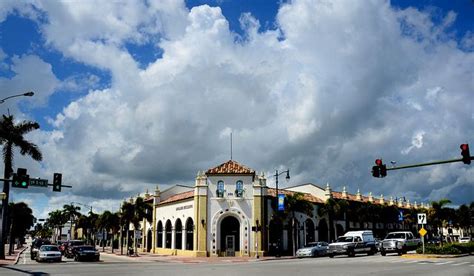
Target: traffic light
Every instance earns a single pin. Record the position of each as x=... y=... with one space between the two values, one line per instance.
x=21 y=179
x=380 y=170
x=57 y=179
x=466 y=156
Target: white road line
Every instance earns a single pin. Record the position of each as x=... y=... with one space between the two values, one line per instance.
x=460 y=263
x=412 y=262
x=397 y=261
x=443 y=263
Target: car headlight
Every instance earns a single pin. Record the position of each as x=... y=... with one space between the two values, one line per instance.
x=344 y=247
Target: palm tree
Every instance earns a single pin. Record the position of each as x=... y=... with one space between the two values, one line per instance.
x=11 y=135
x=127 y=217
x=57 y=219
x=464 y=216
x=330 y=209
x=21 y=220
x=435 y=215
x=296 y=204
x=72 y=213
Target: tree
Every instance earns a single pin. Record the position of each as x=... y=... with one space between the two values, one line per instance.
x=464 y=218
x=21 y=220
x=108 y=222
x=331 y=209
x=127 y=216
x=56 y=219
x=296 y=204
x=72 y=213
x=11 y=135
x=436 y=215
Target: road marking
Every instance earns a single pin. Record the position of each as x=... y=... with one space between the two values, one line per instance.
x=460 y=263
x=397 y=261
x=443 y=263
x=412 y=262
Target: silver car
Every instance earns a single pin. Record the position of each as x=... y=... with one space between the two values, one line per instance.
x=313 y=249
x=48 y=253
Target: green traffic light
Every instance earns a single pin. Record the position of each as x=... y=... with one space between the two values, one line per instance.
x=23 y=184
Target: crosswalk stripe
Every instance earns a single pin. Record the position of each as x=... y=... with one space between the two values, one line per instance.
x=443 y=263
x=460 y=263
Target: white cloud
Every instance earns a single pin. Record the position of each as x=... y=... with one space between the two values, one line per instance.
x=324 y=95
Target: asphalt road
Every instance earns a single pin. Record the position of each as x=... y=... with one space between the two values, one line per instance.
x=360 y=265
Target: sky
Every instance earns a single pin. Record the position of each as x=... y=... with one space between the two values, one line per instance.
x=134 y=94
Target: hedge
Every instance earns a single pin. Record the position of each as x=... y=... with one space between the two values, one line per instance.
x=448 y=249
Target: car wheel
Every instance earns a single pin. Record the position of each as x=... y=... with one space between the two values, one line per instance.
x=331 y=255
x=351 y=253
x=76 y=258
x=400 y=252
x=383 y=253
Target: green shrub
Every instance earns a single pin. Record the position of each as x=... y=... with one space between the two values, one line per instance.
x=448 y=249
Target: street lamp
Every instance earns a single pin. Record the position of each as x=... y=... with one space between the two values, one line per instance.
x=27 y=94
x=277 y=198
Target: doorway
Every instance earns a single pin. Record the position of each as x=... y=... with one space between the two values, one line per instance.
x=230 y=236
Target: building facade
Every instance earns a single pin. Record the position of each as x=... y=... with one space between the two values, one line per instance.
x=231 y=211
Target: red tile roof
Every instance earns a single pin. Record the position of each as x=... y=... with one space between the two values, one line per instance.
x=306 y=196
x=178 y=197
x=230 y=167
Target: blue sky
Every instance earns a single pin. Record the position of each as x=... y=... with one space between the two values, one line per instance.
x=127 y=102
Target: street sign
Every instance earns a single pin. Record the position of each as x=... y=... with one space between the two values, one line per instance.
x=421 y=218
x=422 y=232
x=400 y=216
x=38 y=182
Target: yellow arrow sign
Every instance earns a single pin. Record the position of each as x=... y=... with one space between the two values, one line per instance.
x=422 y=232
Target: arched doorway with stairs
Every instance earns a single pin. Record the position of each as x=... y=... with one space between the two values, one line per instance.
x=230 y=236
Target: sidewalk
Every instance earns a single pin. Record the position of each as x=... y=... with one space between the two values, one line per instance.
x=150 y=257
x=11 y=260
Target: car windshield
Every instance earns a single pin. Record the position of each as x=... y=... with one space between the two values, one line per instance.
x=312 y=244
x=395 y=236
x=345 y=239
x=49 y=248
x=85 y=248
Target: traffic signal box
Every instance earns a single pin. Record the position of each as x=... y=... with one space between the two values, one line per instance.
x=57 y=180
x=466 y=155
x=21 y=179
x=380 y=170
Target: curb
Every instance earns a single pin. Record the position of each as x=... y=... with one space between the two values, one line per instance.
x=432 y=256
x=18 y=255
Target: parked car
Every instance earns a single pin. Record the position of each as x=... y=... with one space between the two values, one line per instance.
x=313 y=249
x=86 y=253
x=399 y=242
x=68 y=250
x=464 y=239
x=48 y=253
x=434 y=240
x=353 y=242
x=35 y=246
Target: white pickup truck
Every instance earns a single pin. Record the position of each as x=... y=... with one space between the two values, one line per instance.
x=399 y=242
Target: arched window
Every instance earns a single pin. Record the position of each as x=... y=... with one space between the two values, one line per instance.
x=168 y=234
x=220 y=188
x=239 y=188
x=178 y=226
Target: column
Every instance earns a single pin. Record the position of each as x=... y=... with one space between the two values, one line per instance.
x=173 y=238
x=183 y=239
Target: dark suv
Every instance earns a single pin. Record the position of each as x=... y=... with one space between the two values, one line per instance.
x=35 y=245
x=68 y=248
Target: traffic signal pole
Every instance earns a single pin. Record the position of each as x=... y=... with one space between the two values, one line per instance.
x=427 y=164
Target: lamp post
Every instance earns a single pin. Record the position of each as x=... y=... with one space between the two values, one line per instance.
x=27 y=94
x=6 y=190
x=277 y=199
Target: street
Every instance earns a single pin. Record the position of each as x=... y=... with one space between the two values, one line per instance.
x=359 y=265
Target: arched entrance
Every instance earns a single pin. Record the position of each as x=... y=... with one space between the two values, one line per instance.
x=230 y=236
x=148 y=241
x=159 y=236
x=189 y=234
x=323 y=231
x=178 y=234
x=339 y=230
x=309 y=231
x=168 y=234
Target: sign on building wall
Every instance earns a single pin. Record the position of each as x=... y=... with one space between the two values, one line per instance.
x=281 y=202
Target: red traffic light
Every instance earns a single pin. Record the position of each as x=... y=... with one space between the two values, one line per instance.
x=378 y=162
x=466 y=155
